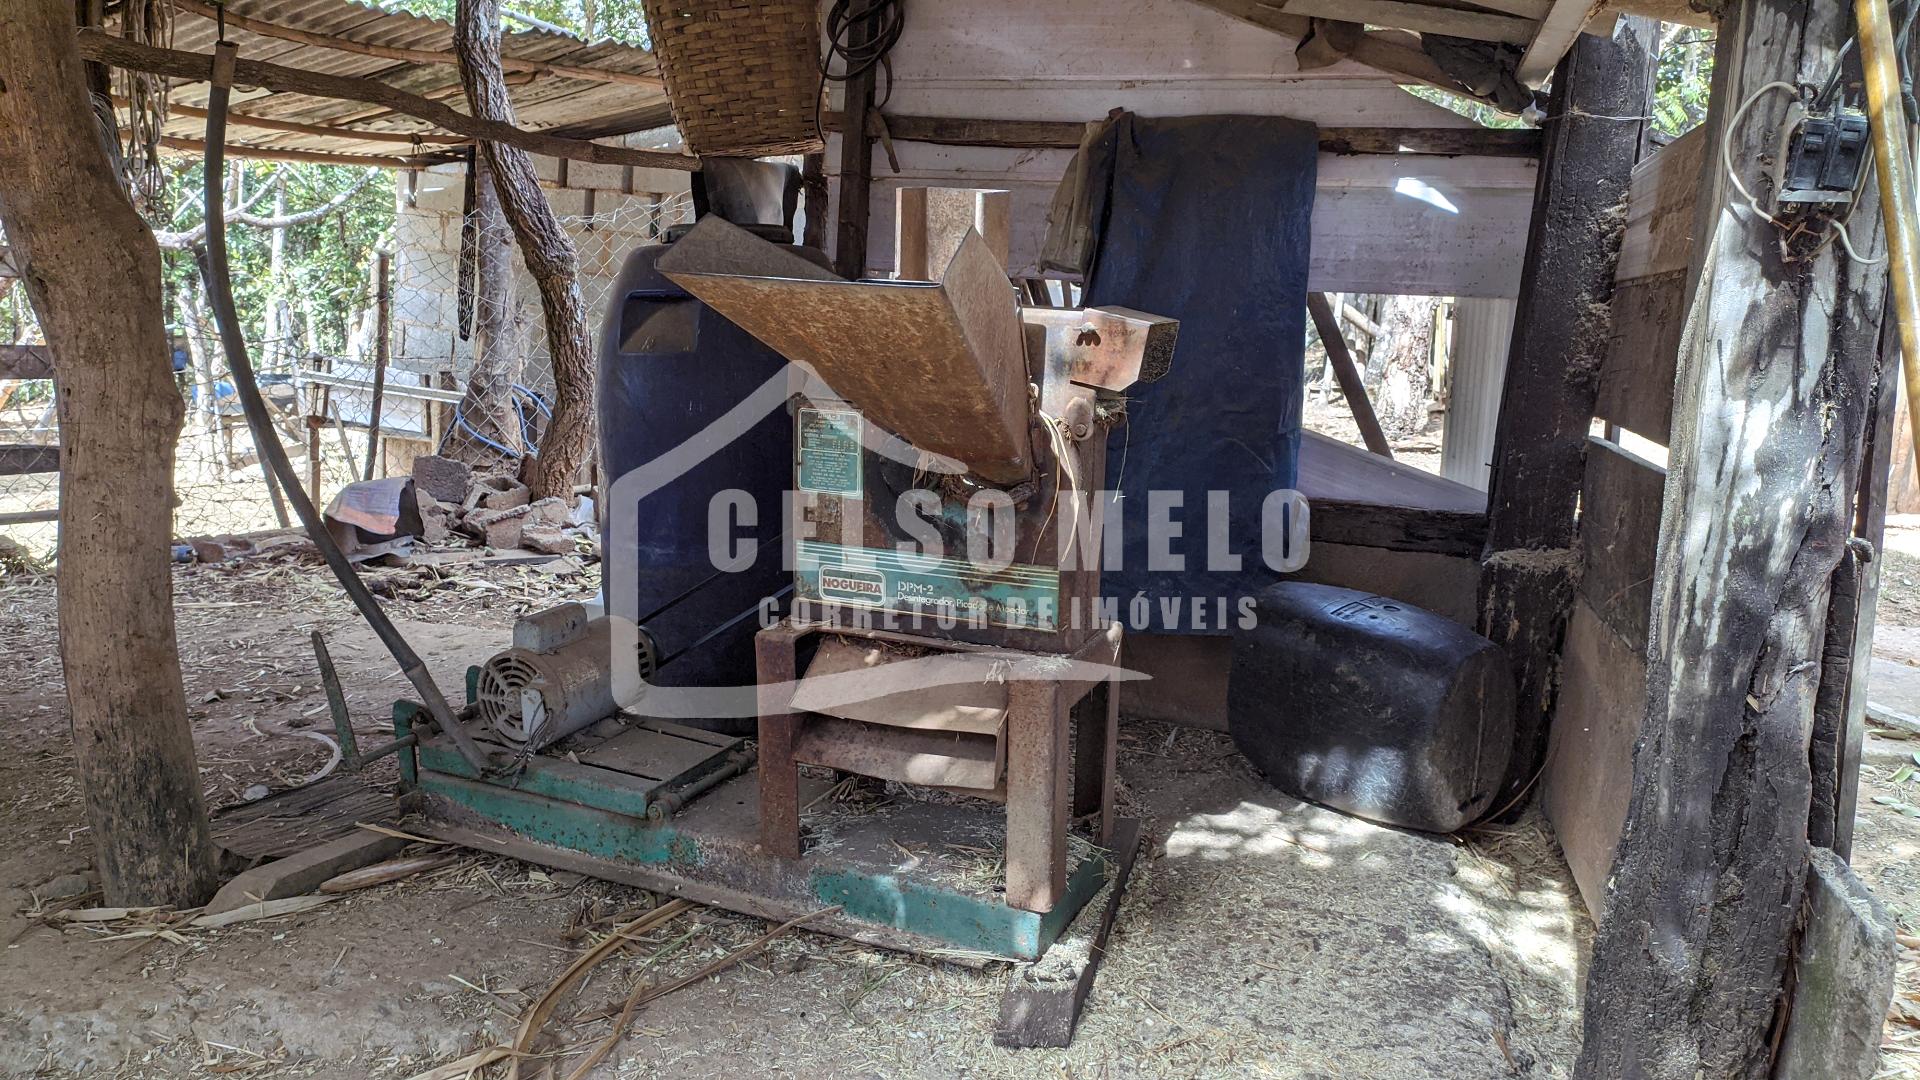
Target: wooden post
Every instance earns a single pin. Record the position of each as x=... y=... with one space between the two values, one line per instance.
x=813 y=198
x=856 y=163
x=1340 y=360
x=382 y=349
x=93 y=275
x=1527 y=572
x=1776 y=376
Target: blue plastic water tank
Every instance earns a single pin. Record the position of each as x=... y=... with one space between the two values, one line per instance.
x=669 y=367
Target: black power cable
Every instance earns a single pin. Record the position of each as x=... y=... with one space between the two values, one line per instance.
x=220 y=295
x=882 y=21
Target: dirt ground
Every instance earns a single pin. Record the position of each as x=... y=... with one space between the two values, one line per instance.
x=1261 y=937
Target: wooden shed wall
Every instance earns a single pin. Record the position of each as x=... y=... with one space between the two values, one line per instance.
x=1074 y=60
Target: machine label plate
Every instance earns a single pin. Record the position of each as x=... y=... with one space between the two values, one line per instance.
x=1020 y=596
x=830 y=451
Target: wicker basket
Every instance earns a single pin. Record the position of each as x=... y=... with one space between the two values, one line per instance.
x=743 y=75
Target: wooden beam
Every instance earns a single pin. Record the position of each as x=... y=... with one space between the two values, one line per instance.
x=1776 y=377
x=21 y=459
x=412 y=56
x=272 y=153
x=1419 y=18
x=854 y=209
x=1066 y=135
x=1398 y=528
x=174 y=63
x=1555 y=35
x=29 y=517
x=25 y=362
x=330 y=131
x=1348 y=374
x=1528 y=568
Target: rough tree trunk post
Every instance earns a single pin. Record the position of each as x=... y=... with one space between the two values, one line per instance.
x=499 y=336
x=1403 y=363
x=1776 y=376
x=1560 y=335
x=548 y=252
x=92 y=270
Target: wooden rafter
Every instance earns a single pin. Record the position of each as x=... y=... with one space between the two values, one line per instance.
x=119 y=52
x=330 y=131
x=412 y=56
x=278 y=153
x=1556 y=35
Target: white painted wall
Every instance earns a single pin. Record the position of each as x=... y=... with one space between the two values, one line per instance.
x=1077 y=59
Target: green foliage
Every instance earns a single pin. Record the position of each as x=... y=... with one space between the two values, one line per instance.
x=1683 y=80
x=325 y=263
x=595 y=20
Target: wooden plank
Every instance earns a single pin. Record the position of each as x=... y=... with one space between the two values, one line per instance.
x=1330 y=471
x=1527 y=586
x=302 y=872
x=1636 y=378
x=1344 y=370
x=1066 y=135
x=20 y=459
x=1589 y=771
x=269 y=153
x=132 y=55
x=1555 y=36
x=25 y=362
x=1660 y=208
x=1396 y=52
x=1419 y=18
x=330 y=131
x=1619 y=532
x=1043 y=1012
x=1776 y=376
x=1398 y=528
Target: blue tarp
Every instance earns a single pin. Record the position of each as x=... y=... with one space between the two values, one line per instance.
x=1205 y=219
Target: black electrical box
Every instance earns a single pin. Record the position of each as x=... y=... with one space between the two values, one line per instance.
x=1825 y=159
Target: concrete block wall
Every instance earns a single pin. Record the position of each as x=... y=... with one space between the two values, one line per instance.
x=608 y=210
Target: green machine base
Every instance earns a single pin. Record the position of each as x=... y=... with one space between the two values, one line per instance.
x=907 y=874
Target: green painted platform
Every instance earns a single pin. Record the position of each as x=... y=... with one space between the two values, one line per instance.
x=923 y=876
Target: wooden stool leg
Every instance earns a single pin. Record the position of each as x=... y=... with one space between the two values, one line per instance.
x=774 y=650
x=1039 y=791
x=1096 y=753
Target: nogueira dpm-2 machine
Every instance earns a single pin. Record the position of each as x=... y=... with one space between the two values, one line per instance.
x=941 y=630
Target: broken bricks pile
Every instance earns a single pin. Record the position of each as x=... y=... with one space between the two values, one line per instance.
x=497 y=511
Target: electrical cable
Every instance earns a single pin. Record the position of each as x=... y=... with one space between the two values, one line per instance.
x=219 y=280
x=886 y=19
x=1836 y=227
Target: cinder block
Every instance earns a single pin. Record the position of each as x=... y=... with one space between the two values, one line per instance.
x=1845 y=980
x=442 y=478
x=592 y=174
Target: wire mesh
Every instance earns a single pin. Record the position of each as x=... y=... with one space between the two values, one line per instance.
x=448 y=386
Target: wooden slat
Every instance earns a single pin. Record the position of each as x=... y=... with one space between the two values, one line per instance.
x=1066 y=135
x=25 y=362
x=20 y=459
x=1589 y=774
x=1620 y=531
x=1636 y=379
x=1419 y=18
x=1398 y=528
x=268 y=153
x=1660 y=209
x=1556 y=35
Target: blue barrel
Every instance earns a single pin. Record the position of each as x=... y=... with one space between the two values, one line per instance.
x=669 y=367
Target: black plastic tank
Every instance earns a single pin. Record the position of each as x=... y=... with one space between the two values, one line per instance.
x=1372 y=706
x=669 y=367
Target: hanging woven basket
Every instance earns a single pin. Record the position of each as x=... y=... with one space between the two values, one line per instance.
x=743 y=75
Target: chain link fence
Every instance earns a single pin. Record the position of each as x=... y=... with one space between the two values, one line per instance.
x=465 y=373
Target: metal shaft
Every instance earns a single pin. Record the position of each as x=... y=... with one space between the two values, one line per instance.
x=1880 y=61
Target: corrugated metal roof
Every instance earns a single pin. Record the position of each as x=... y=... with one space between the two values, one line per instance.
x=541 y=100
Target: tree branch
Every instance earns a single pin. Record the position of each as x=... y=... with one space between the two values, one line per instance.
x=181 y=241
